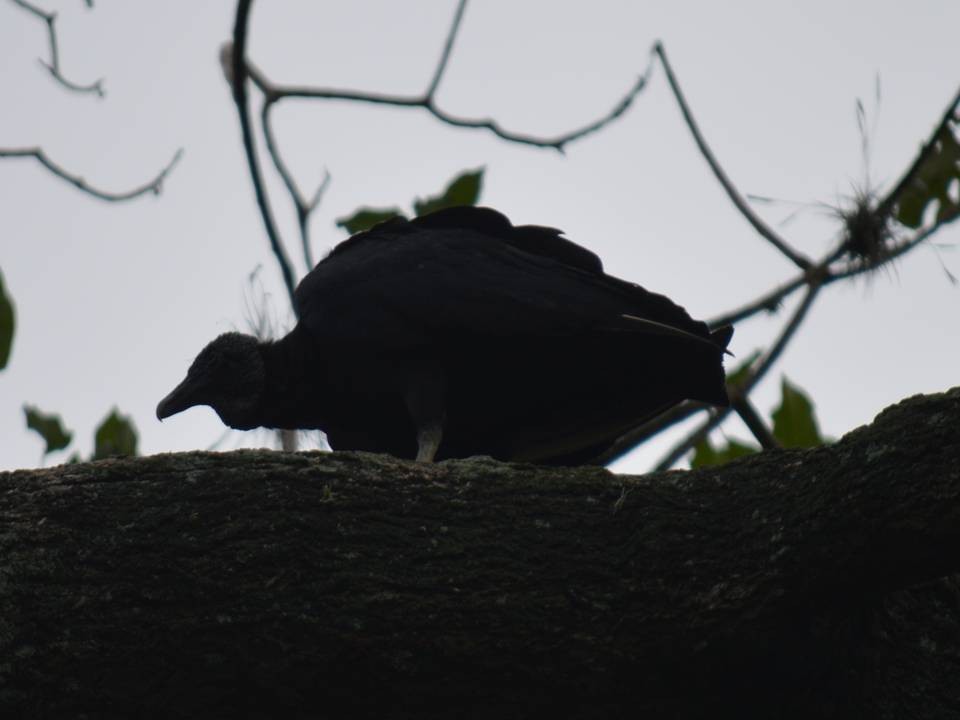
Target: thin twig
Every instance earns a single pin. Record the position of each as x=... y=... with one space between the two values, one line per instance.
x=302 y=206
x=276 y=93
x=654 y=426
x=714 y=418
x=819 y=277
x=768 y=302
x=238 y=71
x=303 y=219
x=768 y=359
x=152 y=186
x=53 y=65
x=773 y=299
x=759 y=225
x=823 y=273
x=447 y=47
x=751 y=418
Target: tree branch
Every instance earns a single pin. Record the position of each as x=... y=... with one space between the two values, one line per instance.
x=759 y=225
x=53 y=65
x=656 y=425
x=238 y=77
x=769 y=302
x=276 y=93
x=751 y=418
x=302 y=206
x=152 y=186
x=827 y=270
x=447 y=48
x=784 y=585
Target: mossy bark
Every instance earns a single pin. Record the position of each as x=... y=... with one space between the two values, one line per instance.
x=792 y=584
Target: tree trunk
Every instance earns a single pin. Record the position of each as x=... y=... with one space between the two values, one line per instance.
x=794 y=584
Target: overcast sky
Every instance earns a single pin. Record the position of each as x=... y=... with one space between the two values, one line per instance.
x=114 y=300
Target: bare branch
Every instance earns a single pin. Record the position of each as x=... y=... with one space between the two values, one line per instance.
x=238 y=75
x=276 y=93
x=154 y=186
x=53 y=65
x=714 y=418
x=751 y=418
x=640 y=434
x=817 y=277
x=448 y=46
x=769 y=302
x=302 y=206
x=826 y=271
x=759 y=225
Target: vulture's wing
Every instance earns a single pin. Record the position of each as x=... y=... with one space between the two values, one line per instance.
x=468 y=273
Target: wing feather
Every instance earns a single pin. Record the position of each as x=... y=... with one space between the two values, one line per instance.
x=470 y=274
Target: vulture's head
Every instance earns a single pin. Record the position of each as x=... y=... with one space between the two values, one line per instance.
x=229 y=376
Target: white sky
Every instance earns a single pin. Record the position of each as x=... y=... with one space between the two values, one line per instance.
x=114 y=301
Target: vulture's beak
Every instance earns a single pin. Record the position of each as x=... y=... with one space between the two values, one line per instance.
x=183 y=396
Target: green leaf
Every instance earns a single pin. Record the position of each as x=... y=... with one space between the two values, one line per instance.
x=794 y=422
x=6 y=325
x=50 y=428
x=463 y=190
x=705 y=454
x=366 y=217
x=931 y=182
x=738 y=375
x=115 y=436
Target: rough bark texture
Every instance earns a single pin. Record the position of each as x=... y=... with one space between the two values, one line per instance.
x=796 y=584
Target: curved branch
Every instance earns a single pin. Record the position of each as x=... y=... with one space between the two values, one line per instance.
x=276 y=93
x=238 y=72
x=154 y=186
x=769 y=302
x=447 y=48
x=53 y=65
x=302 y=206
x=759 y=225
x=656 y=425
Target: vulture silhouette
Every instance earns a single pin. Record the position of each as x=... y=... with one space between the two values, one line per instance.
x=459 y=334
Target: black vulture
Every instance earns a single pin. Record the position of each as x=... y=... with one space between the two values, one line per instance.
x=460 y=334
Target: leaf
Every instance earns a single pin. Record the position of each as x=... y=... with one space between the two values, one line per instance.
x=738 y=375
x=366 y=217
x=794 y=422
x=50 y=428
x=932 y=182
x=6 y=325
x=463 y=190
x=705 y=454
x=115 y=436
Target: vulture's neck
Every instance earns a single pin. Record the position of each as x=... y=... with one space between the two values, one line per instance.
x=294 y=382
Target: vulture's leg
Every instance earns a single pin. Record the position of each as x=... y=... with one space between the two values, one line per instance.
x=428 y=442
x=426 y=402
